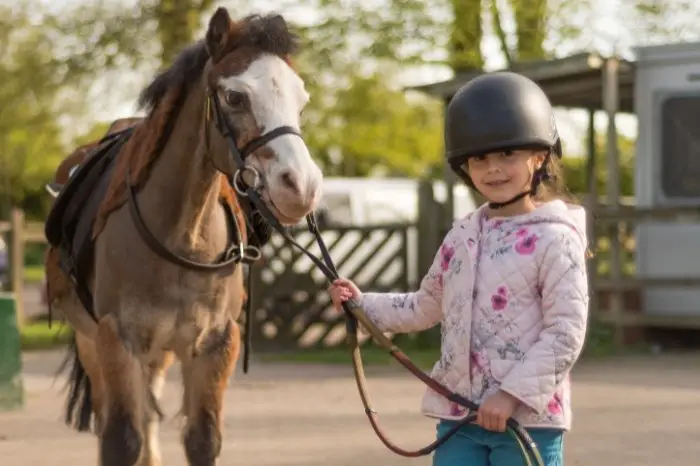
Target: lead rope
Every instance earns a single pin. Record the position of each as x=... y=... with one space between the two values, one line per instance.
x=528 y=448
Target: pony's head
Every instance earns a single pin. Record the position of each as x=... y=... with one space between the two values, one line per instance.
x=260 y=99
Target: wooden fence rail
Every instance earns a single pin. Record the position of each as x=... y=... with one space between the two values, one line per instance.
x=623 y=293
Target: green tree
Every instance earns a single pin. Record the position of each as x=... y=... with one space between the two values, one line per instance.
x=375 y=129
x=466 y=34
x=48 y=63
x=358 y=121
x=178 y=22
x=575 y=168
x=543 y=28
x=655 y=21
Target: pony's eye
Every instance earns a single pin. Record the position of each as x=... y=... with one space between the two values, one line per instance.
x=236 y=99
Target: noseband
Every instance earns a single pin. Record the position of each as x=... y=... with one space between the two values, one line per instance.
x=251 y=195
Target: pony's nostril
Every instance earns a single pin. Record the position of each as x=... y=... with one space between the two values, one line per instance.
x=290 y=181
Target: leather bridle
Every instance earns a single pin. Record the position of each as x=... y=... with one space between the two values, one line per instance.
x=250 y=198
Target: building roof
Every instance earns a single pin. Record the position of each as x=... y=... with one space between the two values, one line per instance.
x=575 y=81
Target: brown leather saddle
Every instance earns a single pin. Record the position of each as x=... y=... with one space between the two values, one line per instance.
x=69 y=225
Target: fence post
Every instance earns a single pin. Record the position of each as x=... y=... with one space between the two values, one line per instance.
x=430 y=225
x=11 y=386
x=16 y=250
x=429 y=216
x=611 y=104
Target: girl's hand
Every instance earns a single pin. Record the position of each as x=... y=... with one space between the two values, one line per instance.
x=341 y=290
x=495 y=411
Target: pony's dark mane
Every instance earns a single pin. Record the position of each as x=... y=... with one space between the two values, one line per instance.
x=184 y=71
x=268 y=33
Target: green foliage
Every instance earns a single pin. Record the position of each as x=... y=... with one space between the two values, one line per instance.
x=358 y=121
x=374 y=128
x=543 y=28
x=39 y=336
x=575 y=168
x=530 y=28
x=48 y=62
x=177 y=23
x=466 y=34
x=654 y=21
x=29 y=131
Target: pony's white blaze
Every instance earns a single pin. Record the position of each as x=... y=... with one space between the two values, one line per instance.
x=277 y=97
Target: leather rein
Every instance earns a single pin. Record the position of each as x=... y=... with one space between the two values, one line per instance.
x=237 y=252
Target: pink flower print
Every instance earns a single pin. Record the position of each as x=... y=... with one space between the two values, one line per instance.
x=477 y=364
x=476 y=361
x=521 y=233
x=499 y=302
x=554 y=405
x=456 y=410
x=446 y=253
x=526 y=245
x=502 y=290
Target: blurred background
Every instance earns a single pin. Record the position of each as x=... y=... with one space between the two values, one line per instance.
x=380 y=74
x=624 y=76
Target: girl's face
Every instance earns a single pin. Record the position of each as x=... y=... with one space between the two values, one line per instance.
x=500 y=176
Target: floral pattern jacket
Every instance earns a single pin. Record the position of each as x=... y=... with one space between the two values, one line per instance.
x=511 y=294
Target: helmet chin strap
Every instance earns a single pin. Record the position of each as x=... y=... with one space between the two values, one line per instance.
x=514 y=199
x=538 y=176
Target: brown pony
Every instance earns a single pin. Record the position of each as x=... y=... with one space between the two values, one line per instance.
x=149 y=309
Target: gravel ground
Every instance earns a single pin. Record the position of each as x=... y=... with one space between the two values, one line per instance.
x=629 y=411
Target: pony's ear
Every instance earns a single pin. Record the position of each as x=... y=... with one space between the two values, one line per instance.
x=218 y=34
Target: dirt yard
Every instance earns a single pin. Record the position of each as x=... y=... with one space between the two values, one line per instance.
x=631 y=411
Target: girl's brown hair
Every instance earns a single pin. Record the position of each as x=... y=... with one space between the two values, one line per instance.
x=554 y=187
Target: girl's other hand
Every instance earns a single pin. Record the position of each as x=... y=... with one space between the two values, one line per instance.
x=342 y=290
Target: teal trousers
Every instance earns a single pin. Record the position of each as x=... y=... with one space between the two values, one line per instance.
x=473 y=445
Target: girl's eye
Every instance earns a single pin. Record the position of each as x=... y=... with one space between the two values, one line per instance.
x=235 y=99
x=508 y=153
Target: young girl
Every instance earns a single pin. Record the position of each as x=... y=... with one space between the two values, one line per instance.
x=508 y=284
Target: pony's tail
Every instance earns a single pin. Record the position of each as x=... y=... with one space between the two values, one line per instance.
x=79 y=410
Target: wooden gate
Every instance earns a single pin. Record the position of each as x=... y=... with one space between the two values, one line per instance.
x=291 y=305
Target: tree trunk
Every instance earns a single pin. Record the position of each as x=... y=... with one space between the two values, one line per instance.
x=530 y=28
x=178 y=22
x=465 y=36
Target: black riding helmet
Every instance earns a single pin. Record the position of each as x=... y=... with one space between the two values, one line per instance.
x=500 y=111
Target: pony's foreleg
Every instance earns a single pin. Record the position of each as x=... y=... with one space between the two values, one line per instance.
x=205 y=377
x=156 y=381
x=125 y=405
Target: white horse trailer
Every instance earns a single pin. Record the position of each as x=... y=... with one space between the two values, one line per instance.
x=667 y=102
